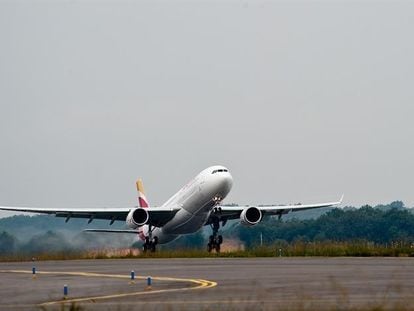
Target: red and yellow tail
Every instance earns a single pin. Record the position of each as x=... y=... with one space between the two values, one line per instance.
x=142 y=200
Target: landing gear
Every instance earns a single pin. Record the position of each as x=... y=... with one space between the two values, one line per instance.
x=214 y=243
x=150 y=243
x=215 y=240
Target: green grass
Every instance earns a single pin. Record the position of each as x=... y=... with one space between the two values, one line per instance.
x=300 y=305
x=298 y=249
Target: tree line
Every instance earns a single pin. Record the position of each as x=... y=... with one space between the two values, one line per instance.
x=383 y=224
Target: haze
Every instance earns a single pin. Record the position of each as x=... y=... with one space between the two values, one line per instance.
x=302 y=101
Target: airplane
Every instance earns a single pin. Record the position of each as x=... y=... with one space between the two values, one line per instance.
x=195 y=205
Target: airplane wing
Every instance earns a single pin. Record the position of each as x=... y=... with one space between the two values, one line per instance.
x=112 y=231
x=158 y=216
x=225 y=212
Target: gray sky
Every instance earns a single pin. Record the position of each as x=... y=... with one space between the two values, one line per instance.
x=302 y=101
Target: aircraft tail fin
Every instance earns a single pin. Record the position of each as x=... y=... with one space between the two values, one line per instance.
x=142 y=199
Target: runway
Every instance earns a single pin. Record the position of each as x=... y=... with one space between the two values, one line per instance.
x=211 y=283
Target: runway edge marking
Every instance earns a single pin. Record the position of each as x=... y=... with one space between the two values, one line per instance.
x=200 y=284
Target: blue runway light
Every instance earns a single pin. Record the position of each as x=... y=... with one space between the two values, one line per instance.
x=33 y=272
x=65 y=291
x=149 y=282
x=132 y=277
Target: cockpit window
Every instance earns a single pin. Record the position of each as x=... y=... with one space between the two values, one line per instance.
x=219 y=171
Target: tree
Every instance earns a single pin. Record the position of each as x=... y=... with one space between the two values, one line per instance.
x=382 y=224
x=50 y=241
x=7 y=243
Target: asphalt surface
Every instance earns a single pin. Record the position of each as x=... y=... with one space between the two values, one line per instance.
x=236 y=284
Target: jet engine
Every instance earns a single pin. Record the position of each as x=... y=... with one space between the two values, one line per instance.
x=250 y=216
x=137 y=218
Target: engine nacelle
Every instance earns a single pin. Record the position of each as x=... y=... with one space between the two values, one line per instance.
x=137 y=218
x=250 y=216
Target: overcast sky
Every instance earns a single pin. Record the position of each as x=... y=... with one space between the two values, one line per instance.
x=302 y=101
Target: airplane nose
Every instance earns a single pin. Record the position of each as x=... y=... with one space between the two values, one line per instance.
x=218 y=184
x=227 y=182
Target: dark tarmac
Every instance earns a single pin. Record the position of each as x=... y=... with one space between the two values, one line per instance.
x=226 y=284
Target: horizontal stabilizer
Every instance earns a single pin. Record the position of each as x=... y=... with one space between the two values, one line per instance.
x=111 y=231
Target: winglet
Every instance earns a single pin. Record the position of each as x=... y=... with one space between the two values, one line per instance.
x=341 y=199
x=142 y=200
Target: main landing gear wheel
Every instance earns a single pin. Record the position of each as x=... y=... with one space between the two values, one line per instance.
x=215 y=240
x=150 y=245
x=214 y=243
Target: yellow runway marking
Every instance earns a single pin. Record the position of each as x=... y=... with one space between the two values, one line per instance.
x=200 y=284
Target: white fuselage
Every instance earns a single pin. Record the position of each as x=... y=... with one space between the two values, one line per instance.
x=196 y=201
